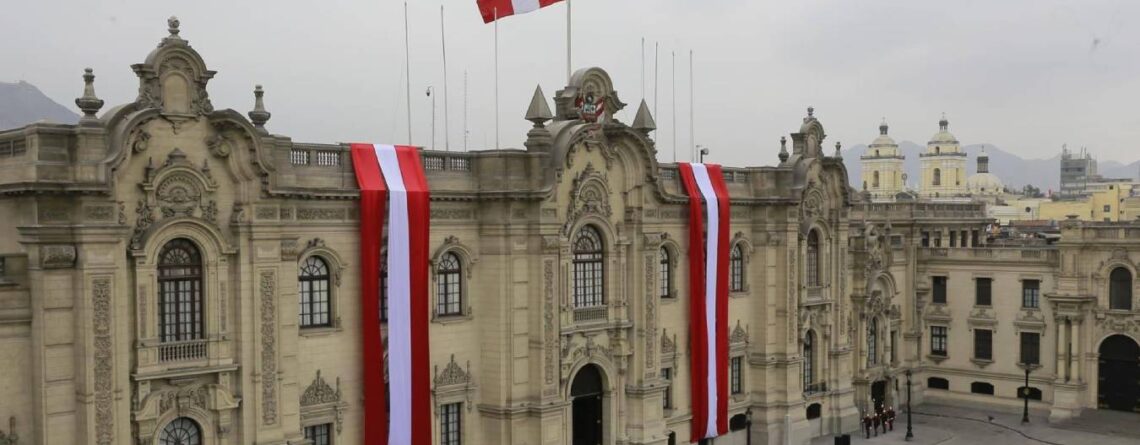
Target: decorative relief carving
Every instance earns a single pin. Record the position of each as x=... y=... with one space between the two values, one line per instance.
x=672 y=213
x=548 y=319
x=447 y=213
x=218 y=144
x=268 y=347
x=668 y=345
x=549 y=213
x=589 y=194
x=178 y=195
x=144 y=324
x=320 y=213
x=140 y=140
x=57 y=256
x=739 y=335
x=290 y=249
x=650 y=313
x=266 y=212
x=53 y=213
x=286 y=213
x=104 y=386
x=182 y=398
x=99 y=213
x=319 y=392
x=210 y=211
x=452 y=374
x=237 y=213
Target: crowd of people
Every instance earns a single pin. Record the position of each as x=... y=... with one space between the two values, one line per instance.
x=879 y=419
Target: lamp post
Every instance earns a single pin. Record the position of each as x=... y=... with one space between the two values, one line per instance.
x=909 y=426
x=1025 y=394
x=704 y=151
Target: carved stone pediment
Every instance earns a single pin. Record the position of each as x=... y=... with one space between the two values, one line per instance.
x=452 y=374
x=173 y=78
x=668 y=345
x=739 y=335
x=589 y=194
x=319 y=392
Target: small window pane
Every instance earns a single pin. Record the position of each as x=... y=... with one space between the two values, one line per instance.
x=450 y=425
x=449 y=291
x=313 y=284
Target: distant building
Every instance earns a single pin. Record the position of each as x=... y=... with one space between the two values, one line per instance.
x=1075 y=173
x=984 y=183
x=943 y=165
x=883 y=174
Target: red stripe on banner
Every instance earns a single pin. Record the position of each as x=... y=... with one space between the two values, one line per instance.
x=545 y=3
x=698 y=374
x=373 y=196
x=489 y=9
x=419 y=214
x=717 y=178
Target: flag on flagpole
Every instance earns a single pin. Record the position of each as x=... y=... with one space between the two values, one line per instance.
x=708 y=305
x=394 y=176
x=507 y=8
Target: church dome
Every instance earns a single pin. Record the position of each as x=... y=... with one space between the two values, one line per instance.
x=883 y=145
x=943 y=136
x=984 y=184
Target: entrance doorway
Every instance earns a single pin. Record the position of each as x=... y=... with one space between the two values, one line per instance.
x=586 y=392
x=878 y=395
x=1117 y=379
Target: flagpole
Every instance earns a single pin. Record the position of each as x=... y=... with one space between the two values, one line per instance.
x=674 y=106
x=568 y=40
x=465 y=134
x=643 y=67
x=443 y=43
x=408 y=73
x=655 y=115
x=496 y=78
x=692 y=108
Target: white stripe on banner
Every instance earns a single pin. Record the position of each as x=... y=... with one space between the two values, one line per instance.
x=399 y=300
x=701 y=174
x=524 y=6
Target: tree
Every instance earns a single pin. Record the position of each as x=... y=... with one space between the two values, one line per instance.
x=1029 y=191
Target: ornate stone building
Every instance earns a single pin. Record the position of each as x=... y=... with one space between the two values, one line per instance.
x=883 y=174
x=176 y=273
x=943 y=165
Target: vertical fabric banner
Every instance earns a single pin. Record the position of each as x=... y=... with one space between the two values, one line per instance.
x=708 y=297
x=395 y=173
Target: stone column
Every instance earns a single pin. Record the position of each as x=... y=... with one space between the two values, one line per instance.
x=1078 y=349
x=1058 y=324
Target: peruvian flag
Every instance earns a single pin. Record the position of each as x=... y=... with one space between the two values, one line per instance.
x=496 y=9
x=708 y=303
x=392 y=178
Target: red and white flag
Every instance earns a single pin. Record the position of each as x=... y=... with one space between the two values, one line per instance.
x=497 y=9
x=394 y=176
x=708 y=303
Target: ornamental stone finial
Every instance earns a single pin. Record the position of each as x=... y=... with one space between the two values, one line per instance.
x=783 y=149
x=89 y=103
x=538 y=138
x=811 y=111
x=838 y=153
x=172 y=24
x=643 y=120
x=259 y=116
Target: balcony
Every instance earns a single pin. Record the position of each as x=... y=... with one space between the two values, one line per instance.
x=182 y=351
x=815 y=388
x=590 y=314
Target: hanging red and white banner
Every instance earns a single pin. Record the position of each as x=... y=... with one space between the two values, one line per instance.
x=708 y=303
x=394 y=176
x=497 y=9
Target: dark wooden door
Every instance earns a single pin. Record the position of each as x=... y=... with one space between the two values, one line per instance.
x=1118 y=376
x=588 y=420
x=878 y=394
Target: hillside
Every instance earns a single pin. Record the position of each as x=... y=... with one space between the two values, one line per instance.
x=21 y=103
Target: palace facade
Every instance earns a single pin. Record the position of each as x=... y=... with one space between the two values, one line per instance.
x=177 y=273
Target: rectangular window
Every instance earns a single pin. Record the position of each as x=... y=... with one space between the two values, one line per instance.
x=937 y=239
x=983 y=292
x=735 y=375
x=953 y=239
x=1107 y=208
x=983 y=344
x=939 y=289
x=1030 y=348
x=925 y=239
x=450 y=428
x=894 y=346
x=1030 y=293
x=319 y=434
x=974 y=237
x=938 y=340
x=667 y=399
x=963 y=239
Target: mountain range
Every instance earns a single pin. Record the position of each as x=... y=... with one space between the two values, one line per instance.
x=1013 y=170
x=21 y=103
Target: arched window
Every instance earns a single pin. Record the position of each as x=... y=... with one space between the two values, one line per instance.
x=181 y=431
x=313 y=284
x=180 y=292
x=450 y=290
x=589 y=268
x=937 y=177
x=665 y=274
x=736 y=269
x=809 y=362
x=812 y=260
x=814 y=411
x=875 y=180
x=873 y=341
x=1120 y=289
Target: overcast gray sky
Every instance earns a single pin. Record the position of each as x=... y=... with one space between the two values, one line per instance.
x=1025 y=75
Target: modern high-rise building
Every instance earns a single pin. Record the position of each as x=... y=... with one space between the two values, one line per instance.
x=1077 y=169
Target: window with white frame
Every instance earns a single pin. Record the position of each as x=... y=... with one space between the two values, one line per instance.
x=450 y=424
x=313 y=284
x=449 y=294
